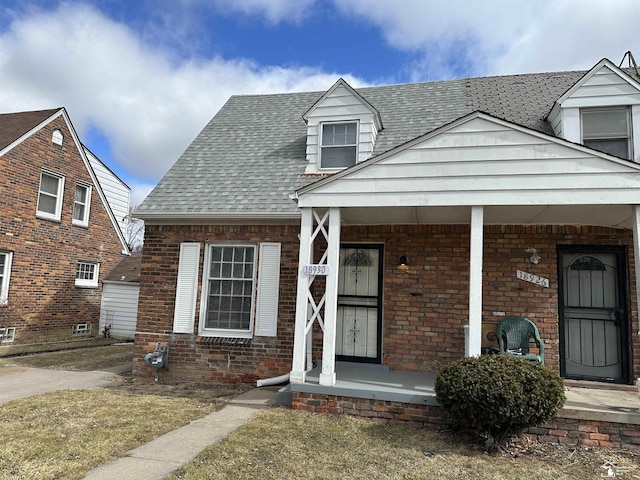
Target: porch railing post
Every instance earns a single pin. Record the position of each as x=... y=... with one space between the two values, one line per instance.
x=299 y=341
x=328 y=374
x=475 y=283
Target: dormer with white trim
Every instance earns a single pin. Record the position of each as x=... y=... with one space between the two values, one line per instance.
x=601 y=111
x=341 y=130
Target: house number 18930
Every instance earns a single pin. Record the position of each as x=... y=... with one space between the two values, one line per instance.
x=316 y=269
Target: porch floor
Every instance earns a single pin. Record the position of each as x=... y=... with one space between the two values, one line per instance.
x=599 y=402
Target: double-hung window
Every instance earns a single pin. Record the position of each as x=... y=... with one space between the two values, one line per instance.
x=607 y=130
x=50 y=196
x=87 y=274
x=5 y=272
x=228 y=290
x=339 y=145
x=81 y=204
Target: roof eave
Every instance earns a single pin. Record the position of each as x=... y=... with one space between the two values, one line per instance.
x=235 y=217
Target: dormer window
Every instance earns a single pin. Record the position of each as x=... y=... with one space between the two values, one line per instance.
x=339 y=145
x=607 y=130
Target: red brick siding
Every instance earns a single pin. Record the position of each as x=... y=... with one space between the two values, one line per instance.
x=425 y=307
x=562 y=430
x=202 y=358
x=43 y=300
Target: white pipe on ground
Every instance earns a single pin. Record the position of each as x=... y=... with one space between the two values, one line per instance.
x=266 y=382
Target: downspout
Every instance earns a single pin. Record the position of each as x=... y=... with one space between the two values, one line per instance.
x=267 y=382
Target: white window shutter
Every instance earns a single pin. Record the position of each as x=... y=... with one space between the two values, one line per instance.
x=268 y=290
x=186 y=288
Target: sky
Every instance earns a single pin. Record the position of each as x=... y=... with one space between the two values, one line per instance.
x=141 y=78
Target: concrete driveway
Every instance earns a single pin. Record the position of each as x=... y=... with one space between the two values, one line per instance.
x=21 y=382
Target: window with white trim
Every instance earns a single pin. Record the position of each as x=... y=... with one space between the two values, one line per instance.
x=50 y=196
x=607 y=130
x=339 y=145
x=5 y=273
x=87 y=274
x=228 y=290
x=81 y=204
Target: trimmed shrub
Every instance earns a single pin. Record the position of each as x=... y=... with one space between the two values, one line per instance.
x=499 y=395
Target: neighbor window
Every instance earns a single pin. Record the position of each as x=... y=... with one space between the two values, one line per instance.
x=81 y=205
x=339 y=145
x=228 y=290
x=50 y=196
x=5 y=272
x=607 y=130
x=87 y=274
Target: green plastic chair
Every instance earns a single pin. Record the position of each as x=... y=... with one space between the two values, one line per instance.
x=514 y=334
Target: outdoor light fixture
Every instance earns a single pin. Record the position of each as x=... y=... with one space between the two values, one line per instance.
x=404 y=261
x=534 y=258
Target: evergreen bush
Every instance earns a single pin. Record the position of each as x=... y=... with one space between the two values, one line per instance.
x=499 y=395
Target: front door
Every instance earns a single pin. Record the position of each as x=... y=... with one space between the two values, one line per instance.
x=593 y=315
x=358 y=328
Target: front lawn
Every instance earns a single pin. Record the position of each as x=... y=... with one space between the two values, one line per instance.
x=284 y=444
x=64 y=434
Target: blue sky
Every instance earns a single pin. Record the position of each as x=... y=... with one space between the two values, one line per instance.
x=140 y=78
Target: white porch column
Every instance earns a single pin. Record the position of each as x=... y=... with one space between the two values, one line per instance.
x=328 y=374
x=299 y=342
x=636 y=255
x=475 y=283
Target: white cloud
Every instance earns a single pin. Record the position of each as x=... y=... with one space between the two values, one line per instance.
x=273 y=11
x=148 y=106
x=502 y=36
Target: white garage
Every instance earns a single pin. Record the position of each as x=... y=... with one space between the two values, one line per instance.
x=119 y=306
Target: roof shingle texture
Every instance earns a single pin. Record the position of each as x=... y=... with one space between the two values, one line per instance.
x=251 y=156
x=14 y=125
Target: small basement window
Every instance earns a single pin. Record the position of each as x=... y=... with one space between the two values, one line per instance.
x=7 y=334
x=339 y=145
x=80 y=329
x=607 y=130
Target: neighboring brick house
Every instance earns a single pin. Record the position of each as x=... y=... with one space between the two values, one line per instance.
x=396 y=225
x=58 y=231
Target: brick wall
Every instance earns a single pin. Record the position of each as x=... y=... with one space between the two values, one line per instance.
x=43 y=300
x=562 y=430
x=425 y=306
x=198 y=358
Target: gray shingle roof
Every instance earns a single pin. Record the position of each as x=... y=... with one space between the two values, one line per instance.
x=251 y=155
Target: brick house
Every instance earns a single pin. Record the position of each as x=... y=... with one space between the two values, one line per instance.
x=393 y=227
x=61 y=228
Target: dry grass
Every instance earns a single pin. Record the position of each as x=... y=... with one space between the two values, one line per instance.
x=64 y=434
x=27 y=349
x=284 y=444
x=82 y=359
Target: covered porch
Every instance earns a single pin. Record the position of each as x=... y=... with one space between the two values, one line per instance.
x=486 y=176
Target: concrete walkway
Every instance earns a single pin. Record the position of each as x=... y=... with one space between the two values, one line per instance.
x=162 y=456
x=22 y=382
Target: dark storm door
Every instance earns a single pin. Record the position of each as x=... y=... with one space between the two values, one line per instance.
x=593 y=314
x=359 y=322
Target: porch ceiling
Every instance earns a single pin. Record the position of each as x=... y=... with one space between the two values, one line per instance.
x=617 y=216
